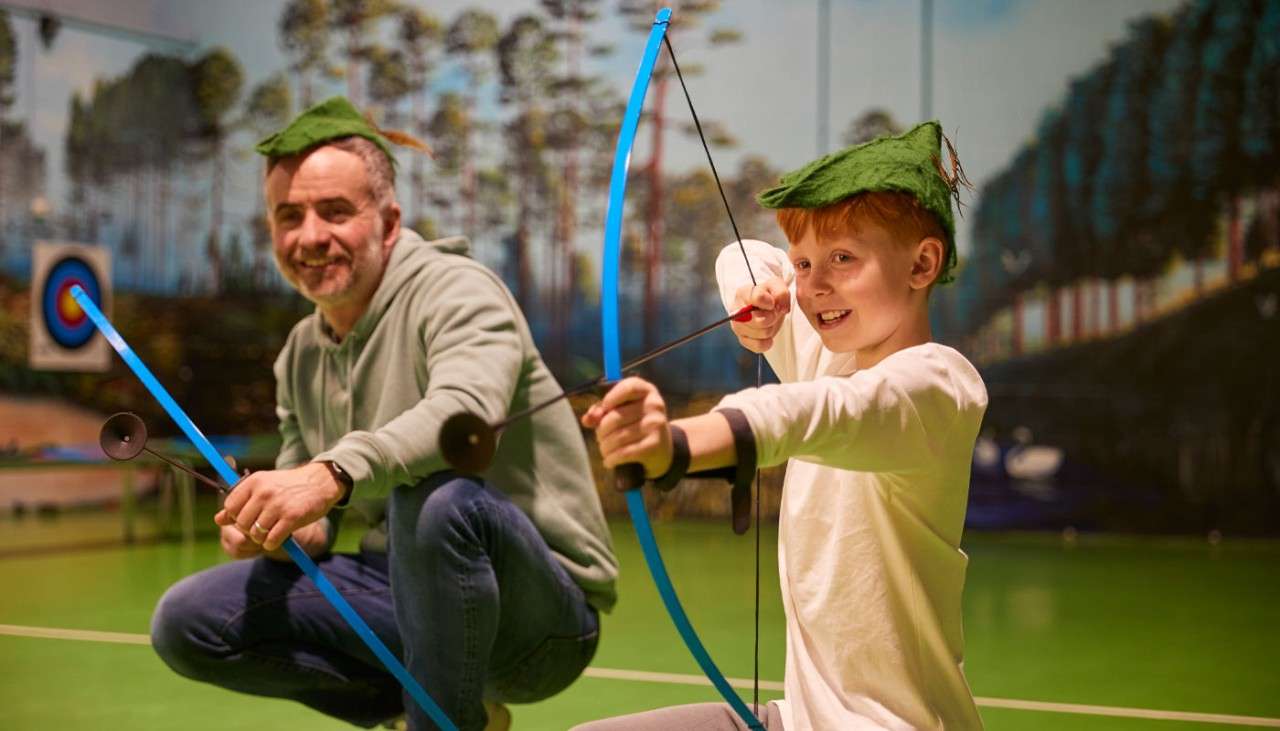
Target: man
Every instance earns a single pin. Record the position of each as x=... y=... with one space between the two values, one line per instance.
x=489 y=590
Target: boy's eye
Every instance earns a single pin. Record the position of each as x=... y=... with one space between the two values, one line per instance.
x=842 y=257
x=802 y=264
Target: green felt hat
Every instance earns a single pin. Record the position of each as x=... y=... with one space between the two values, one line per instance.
x=331 y=119
x=907 y=163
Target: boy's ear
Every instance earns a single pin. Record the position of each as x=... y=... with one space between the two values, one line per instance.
x=927 y=262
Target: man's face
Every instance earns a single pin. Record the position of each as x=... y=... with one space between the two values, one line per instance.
x=854 y=289
x=331 y=242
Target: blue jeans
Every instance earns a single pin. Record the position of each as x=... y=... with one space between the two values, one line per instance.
x=469 y=596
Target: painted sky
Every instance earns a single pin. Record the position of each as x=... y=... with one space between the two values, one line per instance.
x=998 y=65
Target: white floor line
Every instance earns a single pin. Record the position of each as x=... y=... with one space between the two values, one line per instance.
x=740 y=683
x=1121 y=712
x=50 y=633
x=674 y=678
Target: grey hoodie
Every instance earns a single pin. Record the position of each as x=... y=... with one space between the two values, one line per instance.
x=442 y=335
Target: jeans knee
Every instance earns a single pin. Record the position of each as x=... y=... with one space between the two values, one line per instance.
x=442 y=511
x=180 y=630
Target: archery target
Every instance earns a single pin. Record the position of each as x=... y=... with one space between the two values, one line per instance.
x=62 y=335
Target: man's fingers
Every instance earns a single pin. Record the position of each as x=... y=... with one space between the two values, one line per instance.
x=264 y=525
x=280 y=532
x=237 y=498
x=247 y=515
x=242 y=505
x=236 y=545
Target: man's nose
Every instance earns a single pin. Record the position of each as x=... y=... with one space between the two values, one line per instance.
x=313 y=231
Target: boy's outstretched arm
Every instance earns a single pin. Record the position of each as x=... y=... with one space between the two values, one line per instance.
x=895 y=417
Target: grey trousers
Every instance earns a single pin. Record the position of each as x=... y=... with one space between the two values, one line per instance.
x=696 y=717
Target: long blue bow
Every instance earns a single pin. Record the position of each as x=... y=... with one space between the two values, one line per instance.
x=228 y=475
x=613 y=366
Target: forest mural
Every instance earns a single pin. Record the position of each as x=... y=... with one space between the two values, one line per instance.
x=1120 y=257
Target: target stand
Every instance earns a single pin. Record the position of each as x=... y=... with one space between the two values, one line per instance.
x=62 y=336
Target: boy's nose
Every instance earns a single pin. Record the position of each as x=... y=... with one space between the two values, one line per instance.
x=820 y=282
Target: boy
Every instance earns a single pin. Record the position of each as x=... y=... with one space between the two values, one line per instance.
x=877 y=426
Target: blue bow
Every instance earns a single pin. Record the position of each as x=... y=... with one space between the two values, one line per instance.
x=613 y=366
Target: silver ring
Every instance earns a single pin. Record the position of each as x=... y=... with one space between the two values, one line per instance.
x=259 y=527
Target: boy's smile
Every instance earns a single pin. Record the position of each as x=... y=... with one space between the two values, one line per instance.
x=828 y=319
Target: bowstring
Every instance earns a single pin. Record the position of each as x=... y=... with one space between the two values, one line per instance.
x=755 y=676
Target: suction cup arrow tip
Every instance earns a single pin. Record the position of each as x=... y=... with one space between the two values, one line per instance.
x=467 y=443
x=123 y=436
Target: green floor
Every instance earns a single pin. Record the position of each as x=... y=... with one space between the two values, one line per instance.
x=1145 y=624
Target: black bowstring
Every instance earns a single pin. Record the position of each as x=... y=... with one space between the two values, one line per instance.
x=755 y=686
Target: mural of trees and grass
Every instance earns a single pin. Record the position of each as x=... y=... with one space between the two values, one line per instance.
x=1120 y=264
x=523 y=140
x=1121 y=294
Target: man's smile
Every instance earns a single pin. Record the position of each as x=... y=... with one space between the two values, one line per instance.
x=315 y=263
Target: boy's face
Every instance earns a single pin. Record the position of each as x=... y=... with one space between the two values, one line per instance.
x=855 y=289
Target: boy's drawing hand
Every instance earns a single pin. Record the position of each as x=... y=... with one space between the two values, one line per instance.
x=631 y=426
x=773 y=301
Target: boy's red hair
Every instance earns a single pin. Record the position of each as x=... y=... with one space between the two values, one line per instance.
x=900 y=214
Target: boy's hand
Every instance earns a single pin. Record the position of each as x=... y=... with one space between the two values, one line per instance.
x=773 y=301
x=631 y=426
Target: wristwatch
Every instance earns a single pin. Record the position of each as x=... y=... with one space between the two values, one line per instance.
x=341 y=476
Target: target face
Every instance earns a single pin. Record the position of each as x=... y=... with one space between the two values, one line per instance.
x=66 y=323
x=62 y=335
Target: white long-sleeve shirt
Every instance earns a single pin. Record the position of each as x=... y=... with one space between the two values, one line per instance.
x=873 y=508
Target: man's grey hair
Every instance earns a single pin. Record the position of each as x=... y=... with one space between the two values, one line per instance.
x=382 y=174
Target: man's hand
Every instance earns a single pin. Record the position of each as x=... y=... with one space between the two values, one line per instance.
x=631 y=426
x=268 y=506
x=313 y=538
x=772 y=300
x=236 y=544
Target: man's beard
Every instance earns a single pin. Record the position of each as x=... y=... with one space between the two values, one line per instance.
x=338 y=281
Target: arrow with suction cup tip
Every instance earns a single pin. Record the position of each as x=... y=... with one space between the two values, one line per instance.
x=468 y=442
x=124 y=436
